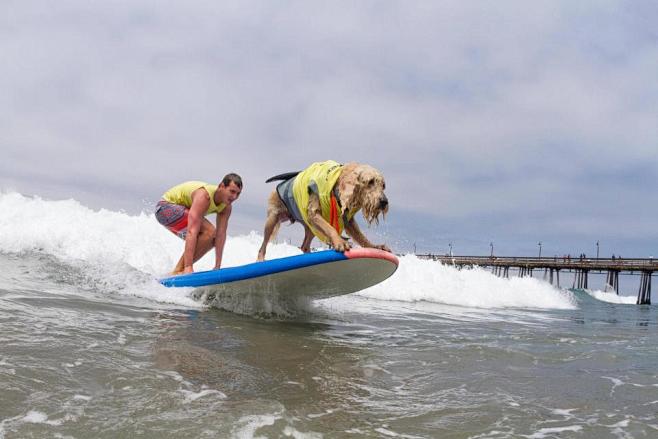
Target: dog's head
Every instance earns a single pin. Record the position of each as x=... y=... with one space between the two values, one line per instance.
x=362 y=187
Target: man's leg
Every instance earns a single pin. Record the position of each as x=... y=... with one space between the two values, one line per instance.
x=205 y=241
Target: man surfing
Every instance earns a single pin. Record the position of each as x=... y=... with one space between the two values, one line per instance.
x=182 y=211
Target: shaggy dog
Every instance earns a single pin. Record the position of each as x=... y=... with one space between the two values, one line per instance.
x=358 y=187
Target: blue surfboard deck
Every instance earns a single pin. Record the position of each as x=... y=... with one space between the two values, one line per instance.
x=312 y=275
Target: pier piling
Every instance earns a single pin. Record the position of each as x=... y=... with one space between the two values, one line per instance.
x=612 y=280
x=644 y=294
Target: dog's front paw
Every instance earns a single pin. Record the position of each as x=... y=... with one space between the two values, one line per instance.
x=383 y=247
x=342 y=246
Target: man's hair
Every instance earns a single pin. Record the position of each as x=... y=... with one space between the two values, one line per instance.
x=235 y=178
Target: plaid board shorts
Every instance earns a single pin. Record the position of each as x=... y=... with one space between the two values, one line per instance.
x=173 y=217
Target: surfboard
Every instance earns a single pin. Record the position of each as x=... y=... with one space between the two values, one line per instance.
x=318 y=275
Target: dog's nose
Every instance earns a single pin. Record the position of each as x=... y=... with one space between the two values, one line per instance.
x=383 y=202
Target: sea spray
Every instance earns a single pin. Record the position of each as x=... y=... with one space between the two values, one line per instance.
x=121 y=253
x=420 y=280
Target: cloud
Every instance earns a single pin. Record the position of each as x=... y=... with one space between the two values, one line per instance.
x=472 y=110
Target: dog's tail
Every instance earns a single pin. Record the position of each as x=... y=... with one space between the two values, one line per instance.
x=284 y=176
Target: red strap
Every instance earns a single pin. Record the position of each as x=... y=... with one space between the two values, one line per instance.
x=333 y=213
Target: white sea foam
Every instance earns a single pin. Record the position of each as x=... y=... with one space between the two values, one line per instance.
x=611 y=297
x=35 y=417
x=249 y=425
x=420 y=280
x=554 y=431
x=191 y=396
x=113 y=252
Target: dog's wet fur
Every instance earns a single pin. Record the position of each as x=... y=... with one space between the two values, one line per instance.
x=360 y=187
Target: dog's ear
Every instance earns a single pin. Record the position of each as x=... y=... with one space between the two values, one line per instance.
x=369 y=176
x=349 y=188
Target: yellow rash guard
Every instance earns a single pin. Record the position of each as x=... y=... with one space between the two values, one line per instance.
x=182 y=194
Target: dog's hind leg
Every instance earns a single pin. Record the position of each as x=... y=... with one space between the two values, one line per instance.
x=271 y=225
x=308 y=238
x=275 y=209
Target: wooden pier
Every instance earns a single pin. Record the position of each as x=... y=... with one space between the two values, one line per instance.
x=553 y=266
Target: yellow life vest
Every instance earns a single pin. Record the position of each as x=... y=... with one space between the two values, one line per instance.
x=320 y=177
x=182 y=194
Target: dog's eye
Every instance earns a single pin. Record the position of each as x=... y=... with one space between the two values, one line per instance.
x=371 y=182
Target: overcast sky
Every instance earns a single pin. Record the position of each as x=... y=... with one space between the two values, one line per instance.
x=510 y=122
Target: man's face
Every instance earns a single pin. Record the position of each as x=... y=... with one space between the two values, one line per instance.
x=228 y=194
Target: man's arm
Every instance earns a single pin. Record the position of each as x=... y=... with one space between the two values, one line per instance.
x=200 y=203
x=220 y=234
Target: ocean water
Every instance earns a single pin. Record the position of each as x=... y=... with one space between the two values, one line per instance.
x=91 y=346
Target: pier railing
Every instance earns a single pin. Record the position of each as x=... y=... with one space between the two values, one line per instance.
x=552 y=266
